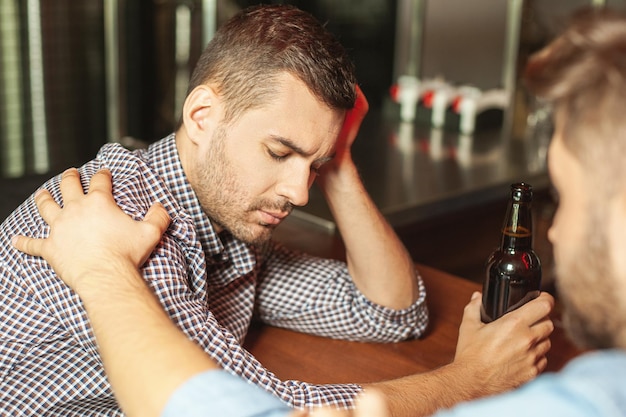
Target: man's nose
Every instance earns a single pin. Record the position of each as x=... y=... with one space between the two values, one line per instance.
x=295 y=187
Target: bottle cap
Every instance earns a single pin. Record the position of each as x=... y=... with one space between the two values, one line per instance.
x=521 y=192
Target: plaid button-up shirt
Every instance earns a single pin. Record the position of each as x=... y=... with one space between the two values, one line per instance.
x=211 y=286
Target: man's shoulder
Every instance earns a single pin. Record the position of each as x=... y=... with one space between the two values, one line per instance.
x=592 y=382
x=590 y=385
x=138 y=184
x=604 y=364
x=119 y=160
x=132 y=172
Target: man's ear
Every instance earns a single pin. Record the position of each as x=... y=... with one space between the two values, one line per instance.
x=200 y=112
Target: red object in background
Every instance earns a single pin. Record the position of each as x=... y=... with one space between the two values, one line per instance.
x=394 y=92
x=427 y=98
x=456 y=104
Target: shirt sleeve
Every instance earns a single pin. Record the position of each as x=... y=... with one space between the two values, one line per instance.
x=589 y=386
x=316 y=295
x=217 y=393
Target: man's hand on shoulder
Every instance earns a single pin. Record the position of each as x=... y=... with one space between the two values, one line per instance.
x=91 y=235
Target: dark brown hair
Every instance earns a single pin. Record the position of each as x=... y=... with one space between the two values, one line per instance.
x=261 y=42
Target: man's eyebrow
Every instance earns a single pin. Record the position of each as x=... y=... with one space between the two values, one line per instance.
x=288 y=143
x=323 y=160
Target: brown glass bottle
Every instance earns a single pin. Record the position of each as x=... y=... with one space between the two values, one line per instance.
x=513 y=272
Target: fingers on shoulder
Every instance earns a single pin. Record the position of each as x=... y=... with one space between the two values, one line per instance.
x=158 y=217
x=101 y=181
x=27 y=245
x=71 y=187
x=46 y=205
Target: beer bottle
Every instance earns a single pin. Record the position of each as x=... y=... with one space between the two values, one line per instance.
x=513 y=272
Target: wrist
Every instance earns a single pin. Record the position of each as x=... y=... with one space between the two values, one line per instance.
x=114 y=278
x=340 y=176
x=466 y=374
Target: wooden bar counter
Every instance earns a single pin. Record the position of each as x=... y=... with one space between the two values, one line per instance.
x=292 y=355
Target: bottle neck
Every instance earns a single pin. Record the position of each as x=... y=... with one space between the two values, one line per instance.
x=517 y=228
x=516 y=240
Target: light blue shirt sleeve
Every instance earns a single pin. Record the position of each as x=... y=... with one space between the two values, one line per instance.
x=590 y=386
x=218 y=393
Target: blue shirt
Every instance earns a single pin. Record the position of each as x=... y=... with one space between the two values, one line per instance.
x=217 y=393
x=592 y=385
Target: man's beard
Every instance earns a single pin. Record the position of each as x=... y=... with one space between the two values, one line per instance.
x=221 y=197
x=587 y=288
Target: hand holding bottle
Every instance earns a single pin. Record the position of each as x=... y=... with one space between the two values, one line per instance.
x=506 y=352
